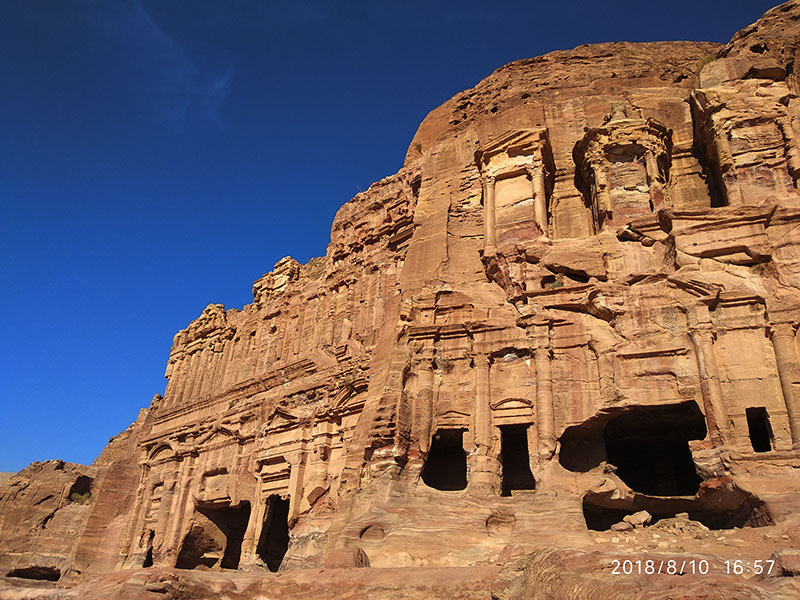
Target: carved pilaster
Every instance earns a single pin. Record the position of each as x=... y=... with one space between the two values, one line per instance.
x=173 y=535
x=136 y=524
x=782 y=336
x=544 y=390
x=702 y=335
x=791 y=148
x=489 y=215
x=536 y=174
x=485 y=468
x=253 y=532
x=296 y=472
x=654 y=183
x=423 y=405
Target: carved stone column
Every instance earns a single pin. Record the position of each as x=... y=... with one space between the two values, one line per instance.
x=544 y=390
x=183 y=380
x=536 y=174
x=727 y=169
x=178 y=512
x=602 y=194
x=483 y=415
x=163 y=553
x=296 y=476
x=423 y=406
x=489 y=216
x=791 y=148
x=654 y=183
x=702 y=336
x=485 y=472
x=135 y=528
x=253 y=532
x=782 y=336
x=172 y=527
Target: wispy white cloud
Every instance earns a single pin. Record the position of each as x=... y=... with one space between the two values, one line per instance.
x=178 y=87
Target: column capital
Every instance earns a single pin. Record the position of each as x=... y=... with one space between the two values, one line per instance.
x=782 y=330
x=541 y=338
x=540 y=331
x=538 y=327
x=423 y=361
x=481 y=360
x=488 y=180
x=535 y=169
x=703 y=330
x=702 y=312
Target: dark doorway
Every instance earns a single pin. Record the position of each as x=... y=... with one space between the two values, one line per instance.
x=148 y=558
x=274 y=540
x=446 y=467
x=649 y=446
x=216 y=538
x=760 y=429
x=515 y=458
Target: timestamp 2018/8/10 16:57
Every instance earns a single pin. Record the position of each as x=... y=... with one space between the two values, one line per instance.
x=689 y=567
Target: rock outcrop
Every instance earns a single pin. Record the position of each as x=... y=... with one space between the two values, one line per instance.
x=564 y=334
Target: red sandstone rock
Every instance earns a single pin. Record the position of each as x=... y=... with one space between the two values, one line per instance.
x=575 y=306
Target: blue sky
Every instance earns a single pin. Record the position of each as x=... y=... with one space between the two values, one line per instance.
x=156 y=156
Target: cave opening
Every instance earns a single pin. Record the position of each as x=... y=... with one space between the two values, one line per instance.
x=650 y=447
x=760 y=429
x=35 y=572
x=446 y=466
x=215 y=538
x=515 y=459
x=582 y=447
x=81 y=491
x=274 y=540
x=148 y=557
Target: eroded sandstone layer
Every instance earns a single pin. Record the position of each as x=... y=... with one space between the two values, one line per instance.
x=563 y=334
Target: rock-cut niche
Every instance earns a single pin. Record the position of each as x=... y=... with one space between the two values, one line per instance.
x=649 y=446
x=622 y=168
x=446 y=466
x=274 y=540
x=515 y=458
x=215 y=539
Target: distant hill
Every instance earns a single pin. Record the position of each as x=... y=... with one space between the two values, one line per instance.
x=4 y=476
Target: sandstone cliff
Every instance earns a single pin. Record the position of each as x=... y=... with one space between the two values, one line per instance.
x=563 y=334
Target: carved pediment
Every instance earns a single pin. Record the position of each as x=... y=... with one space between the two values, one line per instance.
x=161 y=452
x=454 y=414
x=348 y=396
x=516 y=141
x=217 y=434
x=696 y=288
x=281 y=417
x=511 y=403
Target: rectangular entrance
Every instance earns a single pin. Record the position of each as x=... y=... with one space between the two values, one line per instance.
x=274 y=540
x=514 y=455
x=759 y=428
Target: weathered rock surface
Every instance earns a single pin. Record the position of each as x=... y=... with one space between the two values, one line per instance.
x=564 y=334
